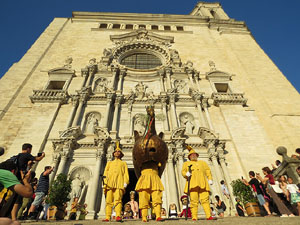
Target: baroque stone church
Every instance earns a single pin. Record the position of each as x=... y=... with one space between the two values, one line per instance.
x=85 y=83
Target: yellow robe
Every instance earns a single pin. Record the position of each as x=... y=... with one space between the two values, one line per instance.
x=200 y=174
x=116 y=175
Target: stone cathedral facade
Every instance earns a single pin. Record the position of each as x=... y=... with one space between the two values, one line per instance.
x=85 y=83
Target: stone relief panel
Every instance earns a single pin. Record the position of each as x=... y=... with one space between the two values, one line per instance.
x=187 y=121
x=92 y=120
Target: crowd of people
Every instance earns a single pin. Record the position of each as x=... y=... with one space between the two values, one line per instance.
x=24 y=196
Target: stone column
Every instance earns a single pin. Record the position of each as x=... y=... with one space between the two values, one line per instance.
x=163 y=100
x=54 y=164
x=205 y=106
x=109 y=98
x=116 y=113
x=102 y=206
x=173 y=194
x=197 y=98
x=96 y=181
x=113 y=79
x=84 y=73
x=130 y=125
x=164 y=198
x=197 y=78
x=179 y=163
x=121 y=77
x=168 y=75
x=83 y=97
x=74 y=99
x=220 y=151
x=174 y=120
x=65 y=154
x=162 y=85
x=92 y=70
x=213 y=157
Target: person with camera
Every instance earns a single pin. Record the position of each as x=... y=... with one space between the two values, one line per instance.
x=41 y=191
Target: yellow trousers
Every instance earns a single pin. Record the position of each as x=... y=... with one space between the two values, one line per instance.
x=197 y=194
x=113 y=198
x=144 y=202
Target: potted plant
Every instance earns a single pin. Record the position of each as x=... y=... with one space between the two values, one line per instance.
x=246 y=196
x=59 y=195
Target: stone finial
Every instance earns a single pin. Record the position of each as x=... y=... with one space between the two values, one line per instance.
x=212 y=65
x=68 y=62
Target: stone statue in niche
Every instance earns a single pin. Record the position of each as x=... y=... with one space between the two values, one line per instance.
x=77 y=187
x=92 y=122
x=101 y=85
x=139 y=123
x=180 y=86
x=186 y=121
x=140 y=90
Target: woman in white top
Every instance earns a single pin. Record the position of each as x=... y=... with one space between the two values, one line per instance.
x=295 y=193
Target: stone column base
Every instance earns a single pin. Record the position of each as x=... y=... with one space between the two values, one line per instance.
x=90 y=215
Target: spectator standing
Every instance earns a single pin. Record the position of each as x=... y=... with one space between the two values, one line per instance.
x=74 y=207
x=294 y=194
x=254 y=183
x=134 y=205
x=41 y=191
x=83 y=212
x=268 y=180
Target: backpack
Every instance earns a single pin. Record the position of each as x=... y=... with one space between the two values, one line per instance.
x=11 y=164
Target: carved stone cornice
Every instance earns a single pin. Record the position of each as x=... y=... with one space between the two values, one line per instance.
x=49 y=96
x=229 y=99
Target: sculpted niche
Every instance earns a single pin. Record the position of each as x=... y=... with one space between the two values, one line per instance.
x=187 y=121
x=92 y=120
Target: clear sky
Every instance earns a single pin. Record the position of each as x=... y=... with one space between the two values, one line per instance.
x=274 y=24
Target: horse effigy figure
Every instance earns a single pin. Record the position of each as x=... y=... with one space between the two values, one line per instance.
x=150 y=154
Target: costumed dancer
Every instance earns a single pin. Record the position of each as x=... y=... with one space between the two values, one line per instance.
x=200 y=179
x=149 y=184
x=116 y=179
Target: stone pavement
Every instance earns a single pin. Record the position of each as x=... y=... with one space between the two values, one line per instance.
x=225 y=221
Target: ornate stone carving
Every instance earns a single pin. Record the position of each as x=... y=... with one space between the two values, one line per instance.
x=68 y=62
x=101 y=85
x=71 y=132
x=180 y=86
x=140 y=90
x=139 y=123
x=206 y=133
x=178 y=133
x=101 y=133
x=212 y=66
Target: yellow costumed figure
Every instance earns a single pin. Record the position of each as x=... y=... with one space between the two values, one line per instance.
x=200 y=179
x=116 y=179
x=150 y=185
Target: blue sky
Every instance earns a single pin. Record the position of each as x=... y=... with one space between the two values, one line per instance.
x=274 y=24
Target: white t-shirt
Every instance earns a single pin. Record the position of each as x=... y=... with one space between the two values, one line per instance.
x=293 y=188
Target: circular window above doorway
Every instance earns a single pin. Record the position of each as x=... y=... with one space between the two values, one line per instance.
x=141 y=61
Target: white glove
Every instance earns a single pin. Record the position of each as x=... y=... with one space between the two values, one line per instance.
x=210 y=182
x=188 y=174
x=125 y=185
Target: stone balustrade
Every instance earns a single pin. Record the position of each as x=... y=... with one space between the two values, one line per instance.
x=228 y=98
x=49 y=96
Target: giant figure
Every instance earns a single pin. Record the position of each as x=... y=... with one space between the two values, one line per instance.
x=116 y=179
x=200 y=179
x=150 y=154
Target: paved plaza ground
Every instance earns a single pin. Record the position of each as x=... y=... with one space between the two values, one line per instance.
x=225 y=221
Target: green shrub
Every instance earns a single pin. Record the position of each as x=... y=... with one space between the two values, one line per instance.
x=242 y=191
x=60 y=190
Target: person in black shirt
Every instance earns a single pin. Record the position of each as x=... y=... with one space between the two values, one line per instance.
x=239 y=208
x=25 y=162
x=256 y=187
